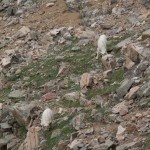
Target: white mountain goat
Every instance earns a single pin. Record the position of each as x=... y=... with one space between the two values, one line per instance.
x=102 y=43
x=47 y=117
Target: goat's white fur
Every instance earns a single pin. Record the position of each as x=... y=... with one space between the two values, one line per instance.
x=47 y=117
x=102 y=43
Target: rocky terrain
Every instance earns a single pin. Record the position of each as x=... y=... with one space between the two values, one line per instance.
x=48 y=58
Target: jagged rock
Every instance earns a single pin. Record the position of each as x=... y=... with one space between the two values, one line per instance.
x=86 y=80
x=6 y=61
x=94 y=143
x=23 y=112
x=120 y=133
x=24 y=31
x=49 y=96
x=129 y=63
x=120 y=108
x=125 y=86
x=146 y=34
x=132 y=93
x=109 y=62
x=49 y=4
x=62 y=145
x=107 y=74
x=125 y=146
x=17 y=94
x=78 y=121
x=74 y=96
x=76 y=144
x=135 y=51
x=144 y=90
x=32 y=140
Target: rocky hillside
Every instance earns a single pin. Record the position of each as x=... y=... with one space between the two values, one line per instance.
x=48 y=58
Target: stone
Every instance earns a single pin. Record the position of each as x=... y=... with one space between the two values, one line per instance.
x=24 y=31
x=1 y=106
x=73 y=96
x=109 y=61
x=63 y=69
x=98 y=100
x=144 y=90
x=78 y=121
x=133 y=20
x=120 y=108
x=120 y=133
x=55 y=133
x=98 y=117
x=54 y=32
x=76 y=144
x=17 y=94
x=49 y=4
x=94 y=143
x=146 y=34
x=62 y=145
x=125 y=86
x=6 y=62
x=5 y=126
x=132 y=93
x=129 y=63
x=125 y=146
x=23 y=112
x=135 y=51
x=107 y=74
x=106 y=26
x=50 y=96
x=86 y=80
x=32 y=140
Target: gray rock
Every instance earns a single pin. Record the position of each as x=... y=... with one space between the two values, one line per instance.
x=146 y=34
x=122 y=43
x=125 y=146
x=144 y=90
x=17 y=94
x=78 y=121
x=133 y=20
x=125 y=86
x=5 y=126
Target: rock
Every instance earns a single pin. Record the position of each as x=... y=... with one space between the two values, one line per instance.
x=59 y=58
x=24 y=31
x=125 y=86
x=49 y=4
x=135 y=51
x=6 y=62
x=146 y=34
x=133 y=20
x=32 y=140
x=98 y=100
x=120 y=108
x=144 y=90
x=49 y=96
x=78 y=121
x=1 y=106
x=125 y=146
x=132 y=93
x=62 y=145
x=3 y=144
x=94 y=143
x=120 y=133
x=109 y=61
x=5 y=126
x=64 y=68
x=23 y=112
x=76 y=144
x=56 y=133
x=107 y=74
x=54 y=32
x=98 y=117
x=74 y=96
x=129 y=63
x=106 y=26
x=86 y=80
x=17 y=94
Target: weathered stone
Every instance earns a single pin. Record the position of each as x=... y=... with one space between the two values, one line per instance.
x=120 y=133
x=129 y=63
x=32 y=140
x=144 y=90
x=133 y=20
x=24 y=31
x=86 y=80
x=125 y=146
x=64 y=68
x=109 y=62
x=62 y=145
x=76 y=144
x=120 y=108
x=6 y=61
x=17 y=94
x=49 y=96
x=146 y=34
x=23 y=112
x=1 y=106
x=74 y=96
x=5 y=126
x=107 y=73
x=125 y=86
x=135 y=51
x=78 y=121
x=49 y=4
x=132 y=93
